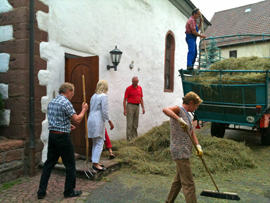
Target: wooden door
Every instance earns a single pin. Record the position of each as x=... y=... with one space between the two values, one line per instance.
x=75 y=68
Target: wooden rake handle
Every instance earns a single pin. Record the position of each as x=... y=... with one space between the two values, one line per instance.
x=85 y=118
x=202 y=160
x=204 y=41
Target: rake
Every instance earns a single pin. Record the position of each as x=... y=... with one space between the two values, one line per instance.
x=87 y=164
x=209 y=193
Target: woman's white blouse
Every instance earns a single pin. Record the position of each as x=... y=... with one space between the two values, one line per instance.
x=99 y=114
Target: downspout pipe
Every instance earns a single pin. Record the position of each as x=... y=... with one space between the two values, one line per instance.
x=32 y=89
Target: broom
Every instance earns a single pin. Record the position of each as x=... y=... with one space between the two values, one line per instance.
x=214 y=194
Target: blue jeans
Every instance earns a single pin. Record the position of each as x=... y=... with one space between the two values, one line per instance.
x=192 y=49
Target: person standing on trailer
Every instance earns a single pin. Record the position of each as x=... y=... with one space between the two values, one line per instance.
x=191 y=36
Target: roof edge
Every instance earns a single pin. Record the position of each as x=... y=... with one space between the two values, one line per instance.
x=186 y=7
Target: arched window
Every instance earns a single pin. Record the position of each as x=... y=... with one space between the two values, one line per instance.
x=169 y=62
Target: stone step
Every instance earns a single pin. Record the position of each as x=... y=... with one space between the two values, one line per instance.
x=82 y=166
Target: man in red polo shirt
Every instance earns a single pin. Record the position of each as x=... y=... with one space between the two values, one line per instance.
x=132 y=99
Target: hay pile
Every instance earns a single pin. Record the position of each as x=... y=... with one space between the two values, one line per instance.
x=243 y=63
x=150 y=154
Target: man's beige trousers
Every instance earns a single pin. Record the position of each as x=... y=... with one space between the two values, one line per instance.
x=132 y=121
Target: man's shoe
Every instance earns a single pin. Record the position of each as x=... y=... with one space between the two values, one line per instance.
x=41 y=196
x=190 y=68
x=74 y=194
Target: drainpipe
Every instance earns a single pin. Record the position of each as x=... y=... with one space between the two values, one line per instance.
x=32 y=90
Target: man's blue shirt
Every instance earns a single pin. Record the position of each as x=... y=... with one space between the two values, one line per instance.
x=59 y=113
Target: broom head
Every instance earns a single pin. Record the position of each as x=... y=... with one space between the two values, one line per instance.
x=220 y=195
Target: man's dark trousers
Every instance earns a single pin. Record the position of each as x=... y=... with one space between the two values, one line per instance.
x=59 y=145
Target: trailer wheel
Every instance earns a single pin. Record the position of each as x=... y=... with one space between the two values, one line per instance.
x=265 y=136
x=218 y=129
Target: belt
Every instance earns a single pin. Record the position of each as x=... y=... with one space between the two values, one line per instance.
x=133 y=104
x=57 y=132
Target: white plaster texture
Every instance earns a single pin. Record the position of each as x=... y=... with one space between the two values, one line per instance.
x=5 y=117
x=5 y=6
x=4 y=62
x=45 y=138
x=6 y=33
x=42 y=19
x=52 y=78
x=4 y=90
x=138 y=28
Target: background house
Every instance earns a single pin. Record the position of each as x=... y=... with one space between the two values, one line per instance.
x=73 y=38
x=249 y=19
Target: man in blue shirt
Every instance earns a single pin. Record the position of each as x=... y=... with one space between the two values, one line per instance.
x=60 y=114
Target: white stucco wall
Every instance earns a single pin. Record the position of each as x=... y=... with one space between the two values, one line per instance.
x=5 y=6
x=138 y=28
x=6 y=33
x=4 y=62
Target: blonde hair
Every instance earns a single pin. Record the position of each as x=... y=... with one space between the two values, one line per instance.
x=64 y=87
x=102 y=87
x=192 y=96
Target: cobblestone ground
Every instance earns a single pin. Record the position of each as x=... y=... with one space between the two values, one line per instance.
x=26 y=190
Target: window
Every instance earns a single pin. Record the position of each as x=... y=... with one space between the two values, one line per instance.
x=169 y=62
x=233 y=54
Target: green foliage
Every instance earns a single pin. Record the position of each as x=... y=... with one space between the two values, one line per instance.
x=1 y=103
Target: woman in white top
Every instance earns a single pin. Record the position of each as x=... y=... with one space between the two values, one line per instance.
x=99 y=114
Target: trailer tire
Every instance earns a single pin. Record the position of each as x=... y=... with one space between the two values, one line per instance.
x=218 y=129
x=265 y=136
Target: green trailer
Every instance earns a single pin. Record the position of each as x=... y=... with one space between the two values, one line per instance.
x=232 y=99
x=231 y=104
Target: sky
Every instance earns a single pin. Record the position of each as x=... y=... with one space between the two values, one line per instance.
x=209 y=7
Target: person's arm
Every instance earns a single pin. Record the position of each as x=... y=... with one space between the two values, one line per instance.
x=194 y=137
x=194 y=32
x=76 y=119
x=201 y=21
x=172 y=112
x=142 y=104
x=105 y=110
x=125 y=106
x=196 y=142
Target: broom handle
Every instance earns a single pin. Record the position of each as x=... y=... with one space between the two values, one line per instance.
x=202 y=161
x=204 y=41
x=85 y=119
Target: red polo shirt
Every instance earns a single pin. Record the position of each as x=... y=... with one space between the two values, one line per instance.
x=133 y=95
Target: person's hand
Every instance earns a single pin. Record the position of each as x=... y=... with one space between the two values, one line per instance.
x=84 y=106
x=111 y=125
x=201 y=19
x=72 y=127
x=125 y=112
x=143 y=111
x=183 y=124
x=199 y=152
x=202 y=36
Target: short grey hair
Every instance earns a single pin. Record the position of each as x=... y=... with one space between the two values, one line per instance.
x=66 y=86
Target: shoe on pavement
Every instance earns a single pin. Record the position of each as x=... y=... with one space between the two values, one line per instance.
x=74 y=194
x=41 y=196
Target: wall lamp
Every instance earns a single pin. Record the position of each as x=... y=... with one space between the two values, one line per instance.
x=115 y=57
